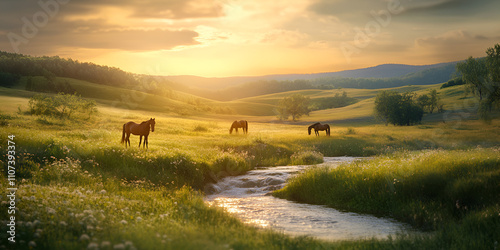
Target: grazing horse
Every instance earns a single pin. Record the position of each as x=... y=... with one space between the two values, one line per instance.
x=138 y=129
x=319 y=127
x=239 y=124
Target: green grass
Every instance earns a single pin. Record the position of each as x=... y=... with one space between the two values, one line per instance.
x=65 y=207
x=455 y=192
x=79 y=169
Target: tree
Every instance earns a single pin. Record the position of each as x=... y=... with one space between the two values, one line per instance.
x=482 y=77
x=424 y=101
x=429 y=102
x=475 y=75
x=385 y=102
x=398 y=109
x=434 y=100
x=493 y=65
x=295 y=105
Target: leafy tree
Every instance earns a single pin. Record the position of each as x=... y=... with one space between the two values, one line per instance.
x=295 y=105
x=398 y=109
x=434 y=102
x=424 y=101
x=493 y=65
x=428 y=102
x=482 y=77
x=385 y=102
x=475 y=75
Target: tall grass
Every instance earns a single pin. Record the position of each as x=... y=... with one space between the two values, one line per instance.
x=80 y=188
x=432 y=190
x=66 y=207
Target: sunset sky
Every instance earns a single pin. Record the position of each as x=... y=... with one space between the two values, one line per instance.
x=217 y=38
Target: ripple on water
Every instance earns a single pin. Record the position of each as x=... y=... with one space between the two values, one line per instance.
x=247 y=197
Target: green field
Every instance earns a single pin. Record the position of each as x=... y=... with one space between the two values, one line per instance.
x=78 y=187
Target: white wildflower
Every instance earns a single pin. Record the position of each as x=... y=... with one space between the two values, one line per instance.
x=84 y=237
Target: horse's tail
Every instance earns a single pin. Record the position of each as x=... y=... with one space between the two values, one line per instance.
x=123 y=133
x=246 y=127
x=328 y=129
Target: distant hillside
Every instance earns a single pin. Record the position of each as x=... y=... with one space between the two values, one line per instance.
x=428 y=75
x=380 y=71
x=14 y=67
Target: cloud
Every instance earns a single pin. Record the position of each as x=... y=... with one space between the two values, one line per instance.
x=176 y=9
x=447 y=7
x=38 y=29
x=286 y=38
x=454 y=45
x=421 y=10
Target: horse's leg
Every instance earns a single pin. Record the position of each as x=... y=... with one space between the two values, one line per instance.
x=127 y=140
x=146 y=140
x=140 y=140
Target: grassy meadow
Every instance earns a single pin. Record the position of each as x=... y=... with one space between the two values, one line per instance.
x=79 y=187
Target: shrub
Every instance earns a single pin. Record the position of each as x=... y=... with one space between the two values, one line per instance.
x=306 y=157
x=200 y=128
x=398 y=109
x=230 y=164
x=61 y=105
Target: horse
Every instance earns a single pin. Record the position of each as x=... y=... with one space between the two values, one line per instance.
x=319 y=127
x=138 y=129
x=239 y=124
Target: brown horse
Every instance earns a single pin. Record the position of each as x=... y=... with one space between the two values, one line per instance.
x=239 y=124
x=319 y=127
x=138 y=129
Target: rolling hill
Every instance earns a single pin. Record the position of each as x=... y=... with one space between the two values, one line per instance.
x=255 y=99
x=379 y=71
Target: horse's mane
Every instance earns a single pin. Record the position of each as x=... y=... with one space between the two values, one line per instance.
x=315 y=124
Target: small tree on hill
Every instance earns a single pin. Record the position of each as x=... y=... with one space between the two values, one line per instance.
x=295 y=105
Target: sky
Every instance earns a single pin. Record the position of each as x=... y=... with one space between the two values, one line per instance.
x=220 y=38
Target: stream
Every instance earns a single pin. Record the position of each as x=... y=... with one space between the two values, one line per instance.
x=248 y=197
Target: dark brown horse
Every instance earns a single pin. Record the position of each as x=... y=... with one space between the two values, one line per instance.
x=319 y=127
x=138 y=129
x=239 y=124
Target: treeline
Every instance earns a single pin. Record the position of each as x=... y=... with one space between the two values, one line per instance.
x=453 y=82
x=12 y=66
x=263 y=87
x=48 y=85
x=337 y=101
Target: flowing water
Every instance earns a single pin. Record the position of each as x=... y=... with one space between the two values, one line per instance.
x=247 y=197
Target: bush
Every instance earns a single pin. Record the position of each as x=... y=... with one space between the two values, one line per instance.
x=398 y=109
x=306 y=158
x=200 y=128
x=61 y=105
x=453 y=82
x=230 y=164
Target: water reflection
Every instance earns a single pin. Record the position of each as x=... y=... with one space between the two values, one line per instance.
x=248 y=197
